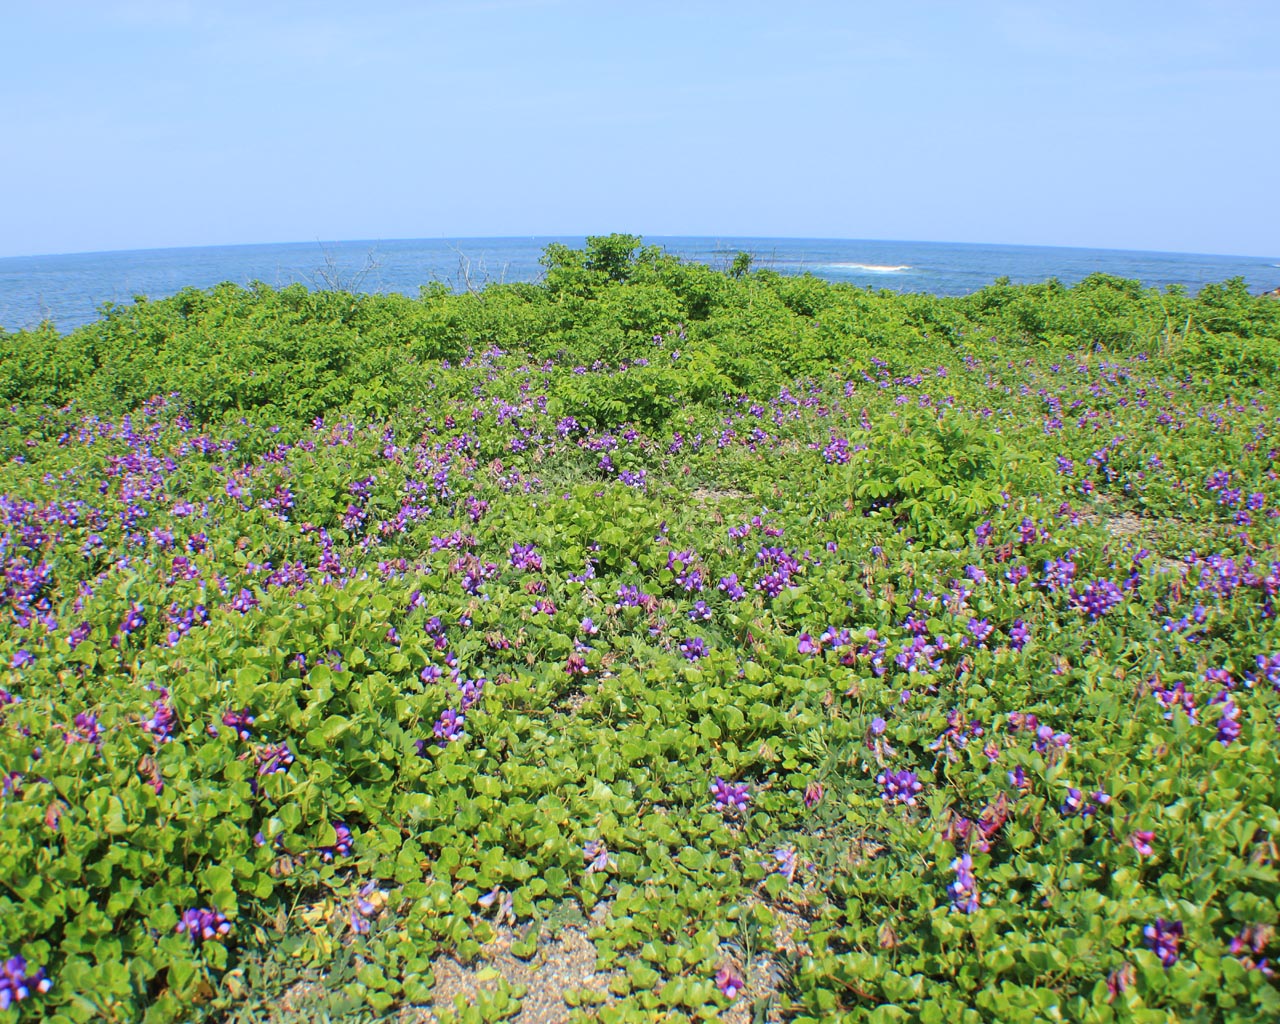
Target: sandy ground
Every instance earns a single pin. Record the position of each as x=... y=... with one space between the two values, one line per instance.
x=564 y=962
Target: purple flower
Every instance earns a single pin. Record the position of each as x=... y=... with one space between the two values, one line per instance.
x=597 y=856
x=244 y=601
x=731 y=588
x=78 y=635
x=774 y=583
x=1228 y=724
x=631 y=596
x=1046 y=738
x=729 y=982
x=964 y=890
x=1269 y=668
x=525 y=557
x=505 y=903
x=364 y=909
x=162 y=720
x=1119 y=980
x=1019 y=635
x=22 y=657
x=16 y=985
x=449 y=727
x=342 y=846
x=134 y=620
x=694 y=648
x=472 y=690
x=1176 y=697
x=1077 y=803
x=899 y=787
x=86 y=729
x=980 y=630
x=837 y=452
x=813 y=794
x=1163 y=938
x=272 y=760
x=1141 y=841
x=784 y=862
x=730 y=795
x=878 y=725
x=237 y=720
x=1099 y=597
x=1058 y=573
x=1253 y=940
x=203 y=924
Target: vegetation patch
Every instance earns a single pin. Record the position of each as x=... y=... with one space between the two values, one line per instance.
x=738 y=646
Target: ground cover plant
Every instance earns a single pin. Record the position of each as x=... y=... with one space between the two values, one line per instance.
x=341 y=633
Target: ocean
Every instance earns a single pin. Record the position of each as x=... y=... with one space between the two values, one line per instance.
x=69 y=290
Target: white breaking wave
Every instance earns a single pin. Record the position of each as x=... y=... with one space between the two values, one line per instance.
x=871 y=268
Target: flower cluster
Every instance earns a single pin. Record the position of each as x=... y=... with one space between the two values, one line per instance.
x=597 y=856
x=964 y=890
x=729 y=982
x=1077 y=803
x=899 y=787
x=1098 y=598
x=1163 y=938
x=203 y=924
x=342 y=846
x=366 y=904
x=694 y=648
x=732 y=796
x=17 y=983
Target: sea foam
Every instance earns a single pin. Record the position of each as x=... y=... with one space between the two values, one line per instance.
x=870 y=268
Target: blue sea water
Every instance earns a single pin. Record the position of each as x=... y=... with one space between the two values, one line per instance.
x=69 y=290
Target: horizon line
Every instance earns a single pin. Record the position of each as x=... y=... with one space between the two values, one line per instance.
x=644 y=238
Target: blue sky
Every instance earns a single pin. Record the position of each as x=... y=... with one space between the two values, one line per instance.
x=163 y=123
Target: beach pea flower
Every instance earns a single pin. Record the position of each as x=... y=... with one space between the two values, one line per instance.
x=730 y=795
x=597 y=856
x=729 y=982
x=17 y=984
x=365 y=906
x=899 y=787
x=85 y=730
x=240 y=721
x=1162 y=938
x=343 y=844
x=1098 y=598
x=449 y=727
x=964 y=890
x=203 y=924
x=1119 y=980
x=1229 y=723
x=694 y=648
x=1141 y=841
